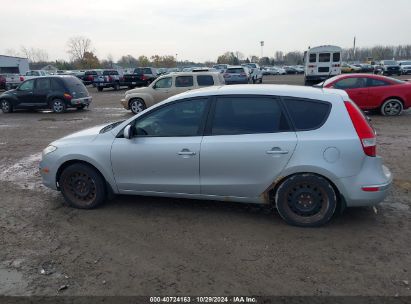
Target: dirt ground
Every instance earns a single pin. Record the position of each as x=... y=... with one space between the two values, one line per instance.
x=157 y=246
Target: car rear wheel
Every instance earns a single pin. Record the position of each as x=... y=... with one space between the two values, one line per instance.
x=116 y=86
x=100 y=89
x=58 y=106
x=306 y=200
x=391 y=107
x=82 y=186
x=137 y=105
x=6 y=106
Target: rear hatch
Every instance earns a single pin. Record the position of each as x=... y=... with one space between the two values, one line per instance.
x=235 y=74
x=76 y=87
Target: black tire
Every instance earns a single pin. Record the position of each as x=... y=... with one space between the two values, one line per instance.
x=58 y=106
x=137 y=105
x=80 y=108
x=100 y=89
x=261 y=80
x=307 y=83
x=116 y=86
x=82 y=186
x=6 y=106
x=254 y=80
x=306 y=200
x=392 y=107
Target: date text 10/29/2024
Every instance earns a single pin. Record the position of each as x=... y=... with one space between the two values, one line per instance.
x=203 y=299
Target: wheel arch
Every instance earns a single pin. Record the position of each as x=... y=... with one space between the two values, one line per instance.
x=393 y=97
x=64 y=165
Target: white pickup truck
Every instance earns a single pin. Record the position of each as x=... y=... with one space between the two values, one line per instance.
x=12 y=81
x=33 y=74
x=256 y=72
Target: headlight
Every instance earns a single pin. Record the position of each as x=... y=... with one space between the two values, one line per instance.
x=49 y=149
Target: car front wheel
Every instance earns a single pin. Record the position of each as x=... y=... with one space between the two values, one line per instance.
x=137 y=106
x=6 y=106
x=306 y=200
x=82 y=186
x=391 y=107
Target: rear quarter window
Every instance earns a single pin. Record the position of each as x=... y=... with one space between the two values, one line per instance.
x=205 y=80
x=307 y=114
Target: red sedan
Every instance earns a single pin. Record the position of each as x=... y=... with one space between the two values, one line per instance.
x=373 y=92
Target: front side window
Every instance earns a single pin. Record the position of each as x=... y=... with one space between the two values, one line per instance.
x=163 y=83
x=307 y=114
x=248 y=115
x=27 y=86
x=177 y=119
x=43 y=84
x=350 y=83
x=205 y=80
x=324 y=57
x=313 y=57
x=184 y=81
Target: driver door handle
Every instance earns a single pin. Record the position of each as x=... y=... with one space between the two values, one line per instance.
x=276 y=150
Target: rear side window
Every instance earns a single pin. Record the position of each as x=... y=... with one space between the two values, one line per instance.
x=43 y=84
x=74 y=84
x=376 y=83
x=313 y=57
x=56 y=85
x=350 y=83
x=184 y=81
x=324 y=57
x=205 y=80
x=307 y=114
x=248 y=115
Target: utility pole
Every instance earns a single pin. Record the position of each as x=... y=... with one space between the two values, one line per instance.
x=176 y=61
x=353 y=50
x=262 y=46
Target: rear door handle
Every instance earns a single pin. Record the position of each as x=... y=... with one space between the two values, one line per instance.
x=186 y=152
x=276 y=151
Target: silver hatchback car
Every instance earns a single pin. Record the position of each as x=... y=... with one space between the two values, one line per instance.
x=306 y=151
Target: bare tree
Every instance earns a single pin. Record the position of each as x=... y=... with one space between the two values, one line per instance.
x=78 y=46
x=34 y=54
x=12 y=52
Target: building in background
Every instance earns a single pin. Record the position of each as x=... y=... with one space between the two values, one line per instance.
x=13 y=65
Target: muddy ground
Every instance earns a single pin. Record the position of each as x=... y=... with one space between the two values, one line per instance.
x=153 y=246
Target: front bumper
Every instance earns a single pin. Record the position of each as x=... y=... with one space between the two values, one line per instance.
x=124 y=103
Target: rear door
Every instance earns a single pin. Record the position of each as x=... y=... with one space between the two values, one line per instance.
x=377 y=89
x=41 y=91
x=248 y=142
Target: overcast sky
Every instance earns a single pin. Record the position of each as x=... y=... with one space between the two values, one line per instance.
x=200 y=30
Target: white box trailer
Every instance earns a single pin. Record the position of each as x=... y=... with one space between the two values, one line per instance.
x=321 y=63
x=13 y=65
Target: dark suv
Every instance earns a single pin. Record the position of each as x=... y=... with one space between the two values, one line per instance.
x=51 y=92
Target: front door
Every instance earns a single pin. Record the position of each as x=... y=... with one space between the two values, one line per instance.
x=163 y=155
x=162 y=89
x=248 y=144
x=24 y=94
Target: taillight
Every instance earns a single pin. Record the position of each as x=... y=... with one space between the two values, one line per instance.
x=110 y=79
x=243 y=74
x=311 y=66
x=364 y=130
x=336 y=65
x=143 y=77
x=226 y=75
x=21 y=78
x=67 y=96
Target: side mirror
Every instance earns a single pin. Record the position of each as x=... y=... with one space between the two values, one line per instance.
x=127 y=132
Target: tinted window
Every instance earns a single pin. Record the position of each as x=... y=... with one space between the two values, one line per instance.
x=350 y=83
x=110 y=73
x=205 y=80
x=184 y=81
x=235 y=71
x=336 y=57
x=324 y=57
x=147 y=71
x=56 y=85
x=163 y=83
x=27 y=86
x=74 y=84
x=307 y=114
x=248 y=115
x=371 y=82
x=177 y=119
x=43 y=84
x=313 y=57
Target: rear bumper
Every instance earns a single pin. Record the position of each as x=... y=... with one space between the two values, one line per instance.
x=244 y=81
x=85 y=101
x=369 y=187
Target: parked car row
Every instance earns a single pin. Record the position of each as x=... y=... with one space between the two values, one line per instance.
x=383 y=67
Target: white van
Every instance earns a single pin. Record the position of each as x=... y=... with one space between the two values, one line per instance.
x=321 y=62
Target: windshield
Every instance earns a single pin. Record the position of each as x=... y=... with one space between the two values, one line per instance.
x=406 y=63
x=390 y=62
